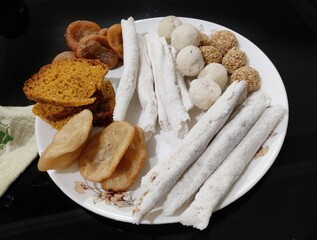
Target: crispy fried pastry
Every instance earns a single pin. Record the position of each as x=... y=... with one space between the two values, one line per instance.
x=104 y=151
x=129 y=166
x=67 y=143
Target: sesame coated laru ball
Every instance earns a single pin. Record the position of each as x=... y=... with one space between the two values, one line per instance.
x=224 y=40
x=234 y=59
x=211 y=54
x=250 y=75
x=204 y=39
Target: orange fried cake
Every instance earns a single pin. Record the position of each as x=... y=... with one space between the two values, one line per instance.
x=66 y=87
x=69 y=82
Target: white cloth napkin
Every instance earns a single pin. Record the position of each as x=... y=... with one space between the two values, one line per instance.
x=17 y=143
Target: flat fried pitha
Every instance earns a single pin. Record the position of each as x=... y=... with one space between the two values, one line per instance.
x=67 y=143
x=104 y=151
x=129 y=166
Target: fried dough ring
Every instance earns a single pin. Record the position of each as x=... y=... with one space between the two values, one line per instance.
x=79 y=29
x=114 y=36
x=103 y=32
x=96 y=46
x=64 y=55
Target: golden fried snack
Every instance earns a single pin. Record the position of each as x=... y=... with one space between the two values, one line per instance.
x=71 y=82
x=53 y=112
x=103 y=114
x=96 y=46
x=102 y=154
x=114 y=36
x=64 y=55
x=103 y=32
x=102 y=109
x=67 y=143
x=79 y=29
x=129 y=166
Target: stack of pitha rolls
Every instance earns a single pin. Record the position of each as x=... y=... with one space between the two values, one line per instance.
x=210 y=158
x=149 y=69
x=212 y=155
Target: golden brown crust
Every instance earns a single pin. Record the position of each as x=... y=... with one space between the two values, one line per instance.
x=102 y=109
x=70 y=82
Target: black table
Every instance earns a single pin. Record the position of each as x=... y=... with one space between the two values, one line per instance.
x=282 y=205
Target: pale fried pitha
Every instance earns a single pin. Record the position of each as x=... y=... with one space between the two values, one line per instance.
x=67 y=143
x=104 y=151
x=129 y=166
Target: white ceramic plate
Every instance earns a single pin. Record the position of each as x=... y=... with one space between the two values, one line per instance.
x=94 y=199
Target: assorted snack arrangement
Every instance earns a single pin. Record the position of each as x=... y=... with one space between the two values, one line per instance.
x=172 y=72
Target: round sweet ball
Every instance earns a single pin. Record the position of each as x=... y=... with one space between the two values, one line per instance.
x=190 y=61
x=211 y=54
x=204 y=93
x=167 y=25
x=215 y=72
x=185 y=35
x=204 y=39
x=224 y=40
x=250 y=75
x=234 y=59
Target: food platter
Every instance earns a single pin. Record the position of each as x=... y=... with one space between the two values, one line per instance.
x=93 y=198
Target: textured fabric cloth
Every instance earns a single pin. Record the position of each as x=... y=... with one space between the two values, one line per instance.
x=17 y=143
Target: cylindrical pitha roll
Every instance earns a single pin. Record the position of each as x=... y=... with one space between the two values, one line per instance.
x=181 y=84
x=128 y=80
x=156 y=55
x=167 y=172
x=145 y=89
x=175 y=109
x=166 y=88
x=220 y=147
x=220 y=181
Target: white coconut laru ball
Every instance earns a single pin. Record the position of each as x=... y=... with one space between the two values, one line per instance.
x=204 y=93
x=185 y=35
x=215 y=72
x=167 y=25
x=190 y=61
